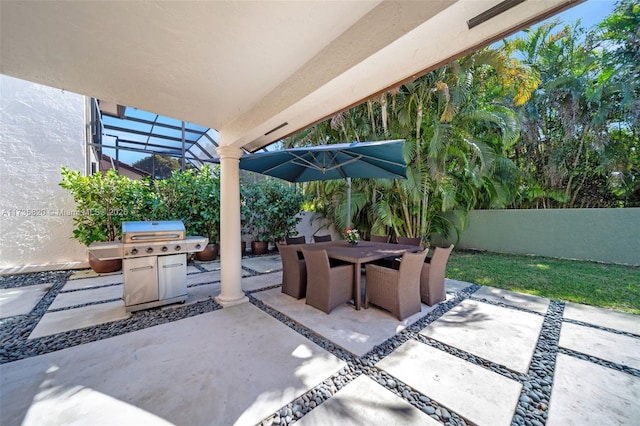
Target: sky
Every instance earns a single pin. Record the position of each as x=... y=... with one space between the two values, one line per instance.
x=590 y=12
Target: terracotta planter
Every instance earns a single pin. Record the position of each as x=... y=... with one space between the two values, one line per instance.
x=259 y=247
x=243 y=247
x=104 y=266
x=209 y=253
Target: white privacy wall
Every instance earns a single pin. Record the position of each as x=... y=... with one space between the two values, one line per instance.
x=41 y=129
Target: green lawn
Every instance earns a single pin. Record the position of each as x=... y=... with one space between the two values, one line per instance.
x=608 y=286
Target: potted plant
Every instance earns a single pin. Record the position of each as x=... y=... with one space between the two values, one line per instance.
x=275 y=209
x=206 y=212
x=103 y=202
x=245 y=216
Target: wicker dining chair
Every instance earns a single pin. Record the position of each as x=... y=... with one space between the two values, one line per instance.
x=432 y=289
x=380 y=238
x=294 y=272
x=295 y=240
x=397 y=291
x=327 y=287
x=409 y=241
x=394 y=262
x=321 y=238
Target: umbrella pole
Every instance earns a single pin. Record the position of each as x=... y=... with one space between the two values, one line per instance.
x=348 y=202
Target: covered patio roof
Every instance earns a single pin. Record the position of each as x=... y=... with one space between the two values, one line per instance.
x=254 y=71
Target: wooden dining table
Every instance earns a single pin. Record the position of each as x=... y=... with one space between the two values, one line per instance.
x=363 y=252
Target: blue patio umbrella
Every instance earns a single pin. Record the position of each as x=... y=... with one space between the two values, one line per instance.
x=381 y=160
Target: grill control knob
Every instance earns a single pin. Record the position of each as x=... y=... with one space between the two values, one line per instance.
x=198 y=246
x=178 y=248
x=134 y=251
x=150 y=250
x=164 y=248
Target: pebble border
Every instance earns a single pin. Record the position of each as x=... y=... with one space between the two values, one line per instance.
x=301 y=405
x=599 y=327
x=532 y=408
x=14 y=331
x=88 y=288
x=602 y=362
x=82 y=305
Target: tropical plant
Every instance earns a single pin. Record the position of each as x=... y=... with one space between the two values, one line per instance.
x=588 y=100
x=456 y=142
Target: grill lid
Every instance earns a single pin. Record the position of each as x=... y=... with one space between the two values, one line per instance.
x=162 y=230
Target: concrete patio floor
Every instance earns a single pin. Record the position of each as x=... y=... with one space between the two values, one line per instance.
x=484 y=356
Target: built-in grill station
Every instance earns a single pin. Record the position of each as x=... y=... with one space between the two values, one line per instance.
x=154 y=261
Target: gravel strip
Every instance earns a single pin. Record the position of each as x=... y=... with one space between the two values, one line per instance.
x=530 y=411
x=14 y=332
x=504 y=305
x=199 y=284
x=291 y=412
x=533 y=405
x=248 y=292
x=82 y=305
x=599 y=327
x=22 y=280
x=89 y=288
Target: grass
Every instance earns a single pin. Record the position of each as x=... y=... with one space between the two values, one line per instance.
x=604 y=285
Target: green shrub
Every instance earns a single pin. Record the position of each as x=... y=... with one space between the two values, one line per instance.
x=274 y=208
x=103 y=202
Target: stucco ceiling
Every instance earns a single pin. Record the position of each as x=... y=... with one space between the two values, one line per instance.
x=244 y=67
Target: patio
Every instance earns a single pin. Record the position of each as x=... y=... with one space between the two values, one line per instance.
x=485 y=356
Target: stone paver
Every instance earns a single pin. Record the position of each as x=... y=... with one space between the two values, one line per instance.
x=263 y=264
x=192 y=269
x=198 y=294
x=504 y=336
x=97 y=281
x=257 y=282
x=356 y=331
x=211 y=266
x=477 y=394
x=511 y=298
x=71 y=319
x=21 y=300
x=603 y=317
x=364 y=402
x=92 y=383
x=586 y=394
x=64 y=300
x=203 y=277
x=215 y=368
x=602 y=344
x=455 y=286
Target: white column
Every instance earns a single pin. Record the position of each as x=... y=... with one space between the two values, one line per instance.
x=230 y=232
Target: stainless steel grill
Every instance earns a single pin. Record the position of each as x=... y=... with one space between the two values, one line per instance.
x=154 y=261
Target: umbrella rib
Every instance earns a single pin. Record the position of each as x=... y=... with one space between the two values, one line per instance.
x=365 y=157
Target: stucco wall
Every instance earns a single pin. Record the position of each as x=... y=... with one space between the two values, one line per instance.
x=308 y=226
x=603 y=235
x=311 y=225
x=41 y=129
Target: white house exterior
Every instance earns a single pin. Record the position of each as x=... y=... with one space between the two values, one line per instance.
x=41 y=129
